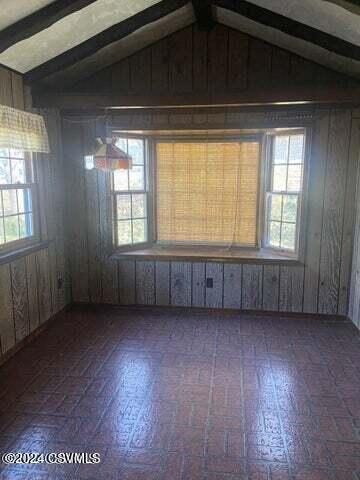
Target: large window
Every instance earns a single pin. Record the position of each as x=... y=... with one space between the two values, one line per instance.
x=229 y=192
x=130 y=195
x=18 y=222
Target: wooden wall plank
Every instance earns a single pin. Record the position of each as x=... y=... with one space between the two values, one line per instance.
x=43 y=282
x=271 y=279
x=145 y=282
x=238 y=58
x=214 y=295
x=280 y=67
x=17 y=91
x=7 y=327
x=291 y=289
x=6 y=97
x=252 y=287
x=120 y=77
x=200 y=59
x=20 y=299
x=317 y=170
x=198 y=284
x=160 y=66
x=181 y=284
x=127 y=282
x=140 y=71
x=335 y=185
x=217 y=57
x=180 y=61
x=259 y=67
x=32 y=288
x=232 y=285
x=349 y=218
x=162 y=283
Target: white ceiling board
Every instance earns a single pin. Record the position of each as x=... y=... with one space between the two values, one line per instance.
x=120 y=49
x=69 y=32
x=321 y=14
x=14 y=10
x=303 y=48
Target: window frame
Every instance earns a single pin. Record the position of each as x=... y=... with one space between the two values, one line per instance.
x=298 y=252
x=263 y=135
x=17 y=245
x=146 y=191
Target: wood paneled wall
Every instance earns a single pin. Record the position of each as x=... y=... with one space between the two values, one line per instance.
x=35 y=286
x=319 y=285
x=195 y=61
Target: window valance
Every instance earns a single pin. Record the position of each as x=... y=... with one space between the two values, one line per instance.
x=22 y=131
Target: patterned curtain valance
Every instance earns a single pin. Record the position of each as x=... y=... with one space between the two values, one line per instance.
x=22 y=131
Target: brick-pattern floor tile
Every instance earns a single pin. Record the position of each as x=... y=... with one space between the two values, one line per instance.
x=165 y=394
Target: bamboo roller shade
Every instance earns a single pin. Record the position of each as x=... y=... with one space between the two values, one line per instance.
x=207 y=192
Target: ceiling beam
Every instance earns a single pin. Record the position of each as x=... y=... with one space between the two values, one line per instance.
x=203 y=14
x=291 y=27
x=291 y=95
x=39 y=20
x=104 y=38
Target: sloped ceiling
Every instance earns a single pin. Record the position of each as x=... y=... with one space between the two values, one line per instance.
x=339 y=19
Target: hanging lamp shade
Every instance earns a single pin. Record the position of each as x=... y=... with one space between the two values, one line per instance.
x=109 y=157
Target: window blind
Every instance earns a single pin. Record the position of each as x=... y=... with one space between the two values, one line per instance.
x=207 y=192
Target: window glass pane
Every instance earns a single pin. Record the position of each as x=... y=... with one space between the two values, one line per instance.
x=290 y=208
x=136 y=174
x=281 y=147
x=275 y=207
x=18 y=174
x=11 y=225
x=296 y=148
x=288 y=232
x=274 y=234
x=25 y=225
x=138 y=205
x=294 y=178
x=123 y=207
x=5 y=176
x=136 y=150
x=139 y=230
x=16 y=153
x=24 y=200
x=9 y=202
x=4 y=152
x=89 y=162
x=124 y=232
x=279 y=178
x=122 y=143
x=121 y=180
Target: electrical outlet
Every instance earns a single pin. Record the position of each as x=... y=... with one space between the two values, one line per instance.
x=209 y=283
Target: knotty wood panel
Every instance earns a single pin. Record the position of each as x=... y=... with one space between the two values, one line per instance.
x=252 y=287
x=200 y=59
x=232 y=285
x=271 y=278
x=291 y=289
x=180 y=56
x=7 y=327
x=145 y=283
x=162 y=283
x=160 y=66
x=317 y=167
x=198 y=284
x=335 y=185
x=20 y=298
x=214 y=295
x=181 y=284
x=31 y=277
x=127 y=282
x=43 y=282
x=6 y=97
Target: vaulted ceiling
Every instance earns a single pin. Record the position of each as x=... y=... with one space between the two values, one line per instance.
x=65 y=40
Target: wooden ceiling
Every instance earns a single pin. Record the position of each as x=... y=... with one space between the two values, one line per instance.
x=48 y=40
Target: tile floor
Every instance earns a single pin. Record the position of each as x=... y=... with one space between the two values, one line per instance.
x=175 y=395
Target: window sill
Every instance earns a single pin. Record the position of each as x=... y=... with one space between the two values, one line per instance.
x=207 y=254
x=7 y=257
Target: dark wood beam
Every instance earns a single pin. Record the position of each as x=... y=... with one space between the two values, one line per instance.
x=203 y=14
x=292 y=95
x=39 y=20
x=104 y=38
x=291 y=27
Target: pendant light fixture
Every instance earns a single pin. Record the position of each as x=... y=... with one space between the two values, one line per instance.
x=110 y=157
